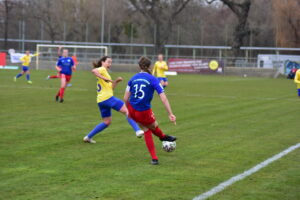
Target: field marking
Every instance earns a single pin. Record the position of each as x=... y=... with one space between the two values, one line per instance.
x=243 y=175
x=168 y=94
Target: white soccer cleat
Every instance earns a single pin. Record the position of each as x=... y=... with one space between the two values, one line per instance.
x=139 y=133
x=48 y=77
x=89 y=140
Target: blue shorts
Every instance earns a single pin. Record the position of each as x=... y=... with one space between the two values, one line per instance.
x=299 y=92
x=164 y=79
x=25 y=69
x=111 y=103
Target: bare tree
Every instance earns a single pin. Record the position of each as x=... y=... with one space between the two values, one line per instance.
x=241 y=10
x=160 y=14
x=7 y=8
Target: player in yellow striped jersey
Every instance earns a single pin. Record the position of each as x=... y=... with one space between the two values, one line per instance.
x=106 y=100
x=297 y=81
x=159 y=68
x=26 y=60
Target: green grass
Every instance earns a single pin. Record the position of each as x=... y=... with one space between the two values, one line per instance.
x=225 y=125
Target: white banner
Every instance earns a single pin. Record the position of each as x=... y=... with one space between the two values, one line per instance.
x=15 y=57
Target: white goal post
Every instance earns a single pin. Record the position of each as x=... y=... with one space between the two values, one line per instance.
x=74 y=47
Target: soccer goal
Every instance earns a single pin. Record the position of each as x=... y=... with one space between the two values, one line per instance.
x=83 y=55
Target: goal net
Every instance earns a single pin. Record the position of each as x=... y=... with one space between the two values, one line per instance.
x=82 y=55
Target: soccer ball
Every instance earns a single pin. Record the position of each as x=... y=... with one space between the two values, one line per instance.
x=168 y=146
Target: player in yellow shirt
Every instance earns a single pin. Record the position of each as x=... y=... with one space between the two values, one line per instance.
x=106 y=100
x=297 y=81
x=159 y=68
x=26 y=60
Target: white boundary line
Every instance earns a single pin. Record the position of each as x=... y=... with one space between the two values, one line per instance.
x=243 y=175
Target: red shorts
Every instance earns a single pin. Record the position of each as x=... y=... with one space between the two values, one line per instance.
x=145 y=117
x=67 y=77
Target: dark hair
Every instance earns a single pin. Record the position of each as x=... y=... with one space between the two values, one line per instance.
x=144 y=64
x=99 y=63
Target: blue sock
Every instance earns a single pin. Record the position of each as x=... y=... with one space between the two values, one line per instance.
x=28 y=77
x=19 y=75
x=133 y=124
x=100 y=127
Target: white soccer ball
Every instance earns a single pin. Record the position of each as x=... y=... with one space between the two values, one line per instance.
x=168 y=146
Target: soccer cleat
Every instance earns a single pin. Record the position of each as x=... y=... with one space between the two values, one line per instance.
x=29 y=82
x=61 y=101
x=154 y=162
x=69 y=84
x=139 y=133
x=86 y=139
x=48 y=77
x=168 y=138
x=57 y=98
x=15 y=79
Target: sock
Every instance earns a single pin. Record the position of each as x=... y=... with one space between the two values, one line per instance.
x=133 y=124
x=100 y=127
x=58 y=93
x=164 y=86
x=54 y=76
x=61 y=92
x=19 y=75
x=28 y=77
x=158 y=133
x=150 y=144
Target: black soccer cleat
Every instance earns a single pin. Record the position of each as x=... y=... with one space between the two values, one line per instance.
x=154 y=162
x=169 y=138
x=56 y=98
x=61 y=101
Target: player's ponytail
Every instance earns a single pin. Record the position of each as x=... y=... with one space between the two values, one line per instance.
x=144 y=64
x=99 y=63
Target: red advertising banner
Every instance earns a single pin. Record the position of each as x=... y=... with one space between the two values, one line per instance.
x=2 y=59
x=205 y=66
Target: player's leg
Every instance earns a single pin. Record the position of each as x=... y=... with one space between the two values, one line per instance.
x=28 y=77
x=106 y=116
x=120 y=106
x=63 y=84
x=158 y=132
x=20 y=74
x=150 y=145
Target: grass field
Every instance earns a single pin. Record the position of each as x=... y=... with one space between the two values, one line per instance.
x=225 y=125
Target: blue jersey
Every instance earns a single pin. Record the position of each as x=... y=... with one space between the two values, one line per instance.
x=142 y=86
x=66 y=64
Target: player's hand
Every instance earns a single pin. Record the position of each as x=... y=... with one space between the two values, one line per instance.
x=119 y=79
x=172 y=118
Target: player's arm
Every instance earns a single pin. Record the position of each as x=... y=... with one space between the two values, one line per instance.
x=98 y=74
x=115 y=82
x=127 y=94
x=166 y=67
x=58 y=68
x=167 y=105
x=153 y=70
x=59 y=51
x=297 y=77
x=73 y=66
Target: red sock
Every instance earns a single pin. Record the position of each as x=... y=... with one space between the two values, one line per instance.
x=150 y=144
x=62 y=91
x=58 y=93
x=158 y=133
x=54 y=76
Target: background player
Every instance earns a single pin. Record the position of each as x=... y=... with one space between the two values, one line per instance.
x=159 y=68
x=59 y=54
x=26 y=60
x=106 y=100
x=297 y=81
x=138 y=97
x=65 y=66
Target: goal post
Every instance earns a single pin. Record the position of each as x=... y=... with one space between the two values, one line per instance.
x=85 y=54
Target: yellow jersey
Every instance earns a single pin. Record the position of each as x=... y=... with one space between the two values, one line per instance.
x=104 y=89
x=297 y=78
x=26 y=59
x=160 y=68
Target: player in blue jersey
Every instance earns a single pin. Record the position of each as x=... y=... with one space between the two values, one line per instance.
x=138 y=97
x=65 y=67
